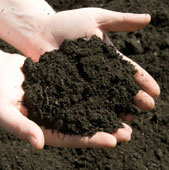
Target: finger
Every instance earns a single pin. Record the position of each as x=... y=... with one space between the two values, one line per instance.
x=99 y=140
x=144 y=100
x=20 y=126
x=123 y=134
x=142 y=77
x=144 y=80
x=117 y=21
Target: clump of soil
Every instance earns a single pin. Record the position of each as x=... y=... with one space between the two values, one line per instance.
x=80 y=88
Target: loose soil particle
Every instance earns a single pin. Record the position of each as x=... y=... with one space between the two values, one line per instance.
x=79 y=89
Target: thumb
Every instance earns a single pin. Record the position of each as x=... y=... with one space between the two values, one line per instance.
x=20 y=126
x=123 y=22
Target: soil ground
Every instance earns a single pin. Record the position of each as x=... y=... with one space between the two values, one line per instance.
x=149 y=147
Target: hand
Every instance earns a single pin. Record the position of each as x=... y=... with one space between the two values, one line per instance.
x=44 y=30
x=33 y=27
x=13 y=115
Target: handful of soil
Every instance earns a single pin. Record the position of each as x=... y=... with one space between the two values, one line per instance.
x=79 y=89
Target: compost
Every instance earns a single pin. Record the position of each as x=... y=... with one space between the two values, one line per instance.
x=79 y=89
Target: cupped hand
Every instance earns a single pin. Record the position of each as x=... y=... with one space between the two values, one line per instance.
x=13 y=115
x=86 y=22
x=40 y=29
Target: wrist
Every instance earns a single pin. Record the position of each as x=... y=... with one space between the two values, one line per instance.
x=22 y=22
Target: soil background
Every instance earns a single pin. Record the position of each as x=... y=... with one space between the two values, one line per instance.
x=149 y=147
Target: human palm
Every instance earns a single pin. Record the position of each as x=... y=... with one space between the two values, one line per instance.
x=12 y=112
x=46 y=31
x=13 y=115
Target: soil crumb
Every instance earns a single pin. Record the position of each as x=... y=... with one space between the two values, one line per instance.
x=79 y=89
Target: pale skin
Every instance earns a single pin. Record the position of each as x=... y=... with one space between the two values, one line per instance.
x=33 y=27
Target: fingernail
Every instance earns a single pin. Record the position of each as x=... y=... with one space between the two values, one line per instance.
x=32 y=141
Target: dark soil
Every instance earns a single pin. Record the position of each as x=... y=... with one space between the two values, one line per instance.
x=79 y=89
x=149 y=147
